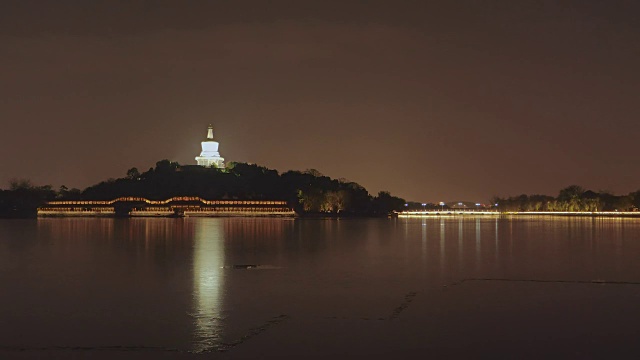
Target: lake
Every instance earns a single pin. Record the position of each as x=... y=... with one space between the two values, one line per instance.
x=234 y=288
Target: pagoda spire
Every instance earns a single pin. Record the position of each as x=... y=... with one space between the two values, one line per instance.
x=210 y=157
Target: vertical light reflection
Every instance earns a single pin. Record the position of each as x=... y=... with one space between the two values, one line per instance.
x=460 y=244
x=478 y=243
x=424 y=239
x=442 y=237
x=497 y=240
x=510 y=237
x=69 y=231
x=208 y=283
x=406 y=229
x=592 y=230
x=619 y=235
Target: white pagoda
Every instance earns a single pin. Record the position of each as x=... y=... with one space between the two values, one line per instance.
x=210 y=157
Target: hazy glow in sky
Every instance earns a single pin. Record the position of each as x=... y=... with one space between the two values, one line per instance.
x=429 y=101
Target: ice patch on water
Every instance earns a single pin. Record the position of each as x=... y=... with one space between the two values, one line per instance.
x=251 y=267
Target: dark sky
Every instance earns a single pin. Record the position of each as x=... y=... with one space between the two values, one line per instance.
x=433 y=101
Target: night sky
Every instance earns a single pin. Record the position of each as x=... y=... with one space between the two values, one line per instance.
x=433 y=101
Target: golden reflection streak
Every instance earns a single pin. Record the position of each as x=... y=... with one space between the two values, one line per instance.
x=460 y=245
x=442 y=242
x=208 y=284
x=424 y=239
x=478 y=254
x=497 y=250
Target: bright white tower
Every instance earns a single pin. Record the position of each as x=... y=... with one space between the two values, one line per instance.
x=210 y=157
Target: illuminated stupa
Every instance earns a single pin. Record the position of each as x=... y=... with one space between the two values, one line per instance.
x=210 y=157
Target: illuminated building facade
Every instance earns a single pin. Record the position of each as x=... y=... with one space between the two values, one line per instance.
x=210 y=157
x=176 y=206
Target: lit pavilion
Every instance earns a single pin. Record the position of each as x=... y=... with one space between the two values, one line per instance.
x=210 y=157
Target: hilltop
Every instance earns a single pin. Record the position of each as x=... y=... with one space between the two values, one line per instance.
x=308 y=192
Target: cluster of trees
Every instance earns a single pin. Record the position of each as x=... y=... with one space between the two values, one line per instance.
x=571 y=198
x=22 y=198
x=307 y=191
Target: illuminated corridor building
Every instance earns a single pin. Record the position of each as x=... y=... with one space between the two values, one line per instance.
x=210 y=157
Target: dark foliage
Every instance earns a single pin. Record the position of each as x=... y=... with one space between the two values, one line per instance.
x=571 y=198
x=22 y=199
x=307 y=192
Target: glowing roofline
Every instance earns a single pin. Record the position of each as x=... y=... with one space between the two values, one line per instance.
x=162 y=202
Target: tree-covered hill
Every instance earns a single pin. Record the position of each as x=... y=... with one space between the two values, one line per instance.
x=306 y=191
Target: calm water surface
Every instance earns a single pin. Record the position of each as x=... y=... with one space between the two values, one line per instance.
x=245 y=287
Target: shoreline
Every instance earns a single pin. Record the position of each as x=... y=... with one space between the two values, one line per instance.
x=315 y=216
x=610 y=214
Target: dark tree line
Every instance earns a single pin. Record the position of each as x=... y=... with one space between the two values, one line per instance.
x=22 y=198
x=571 y=198
x=307 y=191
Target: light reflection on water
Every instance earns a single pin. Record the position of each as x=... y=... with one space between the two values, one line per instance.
x=208 y=285
x=222 y=248
x=171 y=282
